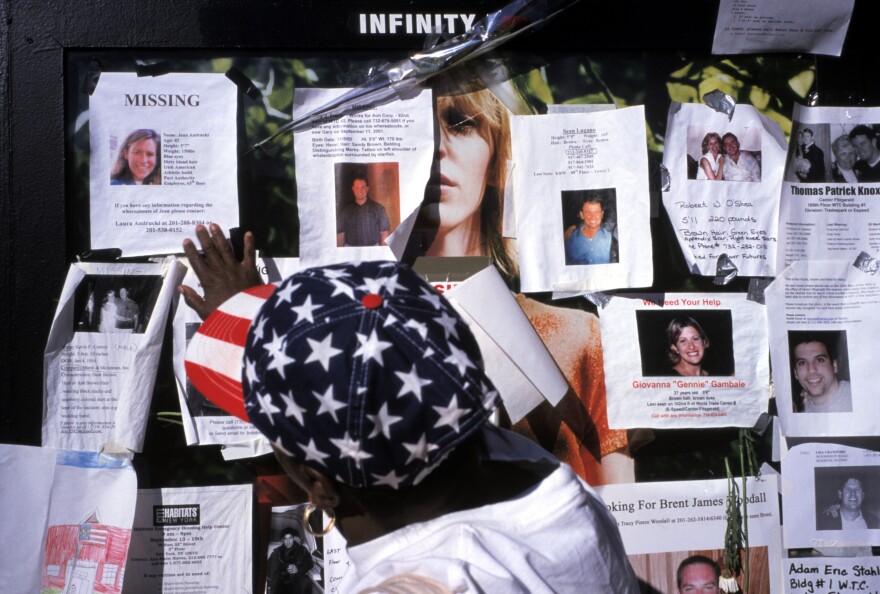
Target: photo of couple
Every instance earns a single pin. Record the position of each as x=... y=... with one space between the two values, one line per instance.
x=723 y=158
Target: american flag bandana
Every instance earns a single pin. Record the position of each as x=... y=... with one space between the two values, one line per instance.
x=361 y=371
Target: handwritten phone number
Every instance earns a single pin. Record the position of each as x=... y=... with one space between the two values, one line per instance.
x=164 y=229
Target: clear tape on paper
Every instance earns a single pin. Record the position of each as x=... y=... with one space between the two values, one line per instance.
x=720 y=102
x=725 y=270
x=756 y=289
x=867 y=263
x=404 y=79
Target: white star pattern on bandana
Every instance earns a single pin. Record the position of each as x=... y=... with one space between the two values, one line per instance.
x=280 y=359
x=313 y=453
x=341 y=288
x=448 y=323
x=322 y=351
x=419 y=450
x=431 y=296
x=459 y=358
x=391 y=479
x=412 y=383
x=328 y=404
x=304 y=311
x=267 y=407
x=419 y=327
x=449 y=415
x=286 y=294
x=382 y=422
x=292 y=408
x=374 y=391
x=351 y=448
x=371 y=348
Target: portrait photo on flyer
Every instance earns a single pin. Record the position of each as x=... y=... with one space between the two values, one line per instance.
x=738 y=217
x=835 y=489
x=684 y=360
x=822 y=348
x=295 y=556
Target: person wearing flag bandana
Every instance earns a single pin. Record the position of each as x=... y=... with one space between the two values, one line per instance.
x=371 y=389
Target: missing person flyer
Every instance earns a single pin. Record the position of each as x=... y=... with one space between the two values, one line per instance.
x=582 y=203
x=822 y=345
x=843 y=575
x=833 y=492
x=102 y=354
x=163 y=159
x=725 y=174
x=204 y=423
x=193 y=539
x=360 y=177
x=830 y=205
x=685 y=360
x=664 y=524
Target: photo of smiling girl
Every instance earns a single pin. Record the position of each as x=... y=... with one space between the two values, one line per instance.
x=685 y=343
x=139 y=162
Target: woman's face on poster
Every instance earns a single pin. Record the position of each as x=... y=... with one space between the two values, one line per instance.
x=689 y=346
x=713 y=145
x=464 y=162
x=141 y=157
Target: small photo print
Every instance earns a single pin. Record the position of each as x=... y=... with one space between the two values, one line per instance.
x=724 y=155
x=114 y=303
x=820 y=371
x=698 y=570
x=295 y=555
x=847 y=497
x=685 y=342
x=833 y=153
x=367 y=203
x=589 y=227
x=137 y=158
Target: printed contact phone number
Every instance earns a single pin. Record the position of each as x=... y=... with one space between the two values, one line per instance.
x=698 y=519
x=164 y=229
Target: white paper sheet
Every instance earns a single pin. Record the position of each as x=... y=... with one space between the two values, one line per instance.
x=822 y=344
x=728 y=216
x=823 y=216
x=203 y=422
x=844 y=575
x=643 y=387
x=516 y=360
x=561 y=160
x=336 y=562
x=189 y=175
x=829 y=482
x=67 y=521
x=194 y=539
x=392 y=146
x=663 y=523
x=761 y=26
x=102 y=354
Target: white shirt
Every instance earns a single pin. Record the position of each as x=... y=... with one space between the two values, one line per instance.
x=557 y=538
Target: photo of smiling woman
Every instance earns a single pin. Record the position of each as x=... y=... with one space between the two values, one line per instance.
x=139 y=162
x=685 y=343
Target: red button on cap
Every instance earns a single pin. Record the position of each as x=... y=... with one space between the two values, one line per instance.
x=372 y=300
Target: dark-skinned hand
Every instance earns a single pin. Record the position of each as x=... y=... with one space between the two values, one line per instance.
x=219 y=272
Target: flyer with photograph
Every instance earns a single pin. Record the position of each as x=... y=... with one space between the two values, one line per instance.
x=582 y=202
x=192 y=539
x=163 y=159
x=361 y=177
x=664 y=524
x=67 y=521
x=685 y=360
x=295 y=556
x=725 y=174
x=755 y=27
x=822 y=339
x=102 y=354
x=204 y=423
x=830 y=203
x=833 y=491
x=823 y=575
